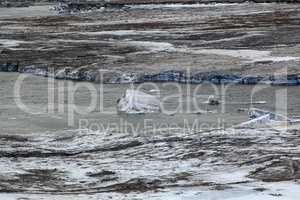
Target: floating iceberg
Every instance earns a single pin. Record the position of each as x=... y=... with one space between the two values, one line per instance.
x=259 y=121
x=137 y=102
x=260 y=117
x=255 y=113
x=212 y=100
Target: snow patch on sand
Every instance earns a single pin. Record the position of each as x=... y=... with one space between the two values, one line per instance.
x=122 y=32
x=114 y=33
x=249 y=55
x=9 y=43
x=178 y=6
x=153 y=46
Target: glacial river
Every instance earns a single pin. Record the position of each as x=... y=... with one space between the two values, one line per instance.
x=31 y=104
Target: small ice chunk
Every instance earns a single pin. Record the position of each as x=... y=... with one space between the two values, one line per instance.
x=256 y=113
x=260 y=117
x=137 y=102
x=212 y=100
x=262 y=120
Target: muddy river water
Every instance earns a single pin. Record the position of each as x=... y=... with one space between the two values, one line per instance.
x=32 y=104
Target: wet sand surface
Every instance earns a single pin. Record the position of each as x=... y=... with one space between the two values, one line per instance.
x=154 y=38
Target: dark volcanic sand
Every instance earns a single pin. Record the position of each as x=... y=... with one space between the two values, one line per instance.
x=245 y=39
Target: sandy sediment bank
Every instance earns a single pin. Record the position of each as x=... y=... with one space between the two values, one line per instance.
x=219 y=43
x=26 y=3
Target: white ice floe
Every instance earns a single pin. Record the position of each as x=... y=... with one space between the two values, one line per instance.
x=262 y=120
x=135 y=102
x=260 y=117
x=255 y=113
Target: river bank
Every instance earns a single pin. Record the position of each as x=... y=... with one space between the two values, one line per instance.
x=118 y=77
x=219 y=43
